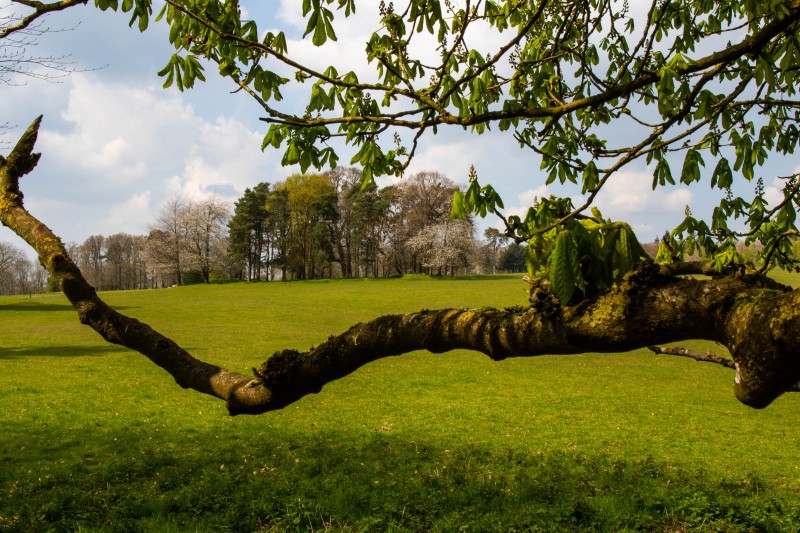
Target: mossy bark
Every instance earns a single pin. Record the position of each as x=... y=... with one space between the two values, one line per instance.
x=755 y=318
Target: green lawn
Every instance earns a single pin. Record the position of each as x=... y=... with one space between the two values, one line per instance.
x=96 y=438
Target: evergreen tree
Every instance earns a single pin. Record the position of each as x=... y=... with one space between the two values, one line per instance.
x=246 y=231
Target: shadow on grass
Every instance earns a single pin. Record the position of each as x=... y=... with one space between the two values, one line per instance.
x=59 y=351
x=196 y=479
x=44 y=307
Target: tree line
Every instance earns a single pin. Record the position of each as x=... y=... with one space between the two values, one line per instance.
x=308 y=226
x=327 y=225
x=18 y=274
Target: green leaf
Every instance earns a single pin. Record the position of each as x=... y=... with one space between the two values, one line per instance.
x=312 y=23
x=279 y=43
x=629 y=251
x=564 y=267
x=459 y=209
x=662 y=174
x=292 y=154
x=722 y=177
x=590 y=177
x=691 y=167
x=328 y=17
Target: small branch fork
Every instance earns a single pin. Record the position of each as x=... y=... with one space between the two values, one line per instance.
x=40 y=9
x=648 y=307
x=707 y=357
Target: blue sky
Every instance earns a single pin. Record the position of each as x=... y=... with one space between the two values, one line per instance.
x=116 y=145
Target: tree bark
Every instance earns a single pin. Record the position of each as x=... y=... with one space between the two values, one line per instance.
x=756 y=318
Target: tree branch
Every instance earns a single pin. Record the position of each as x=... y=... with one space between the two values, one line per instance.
x=40 y=9
x=755 y=318
x=114 y=327
x=748 y=46
x=707 y=357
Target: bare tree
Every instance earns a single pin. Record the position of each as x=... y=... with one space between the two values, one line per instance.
x=91 y=259
x=167 y=237
x=10 y=257
x=205 y=223
x=18 y=274
x=21 y=27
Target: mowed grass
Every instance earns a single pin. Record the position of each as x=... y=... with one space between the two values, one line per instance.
x=94 y=437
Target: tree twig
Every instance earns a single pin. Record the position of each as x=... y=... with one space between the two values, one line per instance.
x=707 y=357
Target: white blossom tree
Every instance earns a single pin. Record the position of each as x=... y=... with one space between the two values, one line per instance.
x=445 y=247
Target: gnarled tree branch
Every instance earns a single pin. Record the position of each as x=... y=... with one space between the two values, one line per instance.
x=755 y=318
x=114 y=327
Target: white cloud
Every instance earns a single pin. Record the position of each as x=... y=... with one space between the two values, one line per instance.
x=628 y=196
x=122 y=132
x=226 y=156
x=525 y=201
x=773 y=194
x=121 y=216
x=630 y=192
x=131 y=148
x=452 y=158
x=677 y=200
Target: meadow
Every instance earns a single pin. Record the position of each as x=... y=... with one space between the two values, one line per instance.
x=94 y=437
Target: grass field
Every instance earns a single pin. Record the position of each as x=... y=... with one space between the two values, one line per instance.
x=94 y=437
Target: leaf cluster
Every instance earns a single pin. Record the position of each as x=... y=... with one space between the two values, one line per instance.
x=581 y=258
x=705 y=91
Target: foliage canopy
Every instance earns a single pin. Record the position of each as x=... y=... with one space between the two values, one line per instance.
x=704 y=91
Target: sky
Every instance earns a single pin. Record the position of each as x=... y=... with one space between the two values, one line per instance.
x=115 y=145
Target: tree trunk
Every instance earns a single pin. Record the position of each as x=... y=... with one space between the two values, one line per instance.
x=756 y=318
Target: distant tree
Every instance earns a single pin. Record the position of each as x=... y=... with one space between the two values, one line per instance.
x=278 y=231
x=422 y=200
x=371 y=211
x=445 y=247
x=495 y=240
x=512 y=259
x=206 y=236
x=18 y=274
x=91 y=256
x=40 y=278
x=167 y=237
x=247 y=233
x=311 y=201
x=345 y=182
x=10 y=259
x=119 y=251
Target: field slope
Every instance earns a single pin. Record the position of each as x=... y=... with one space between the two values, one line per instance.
x=95 y=438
